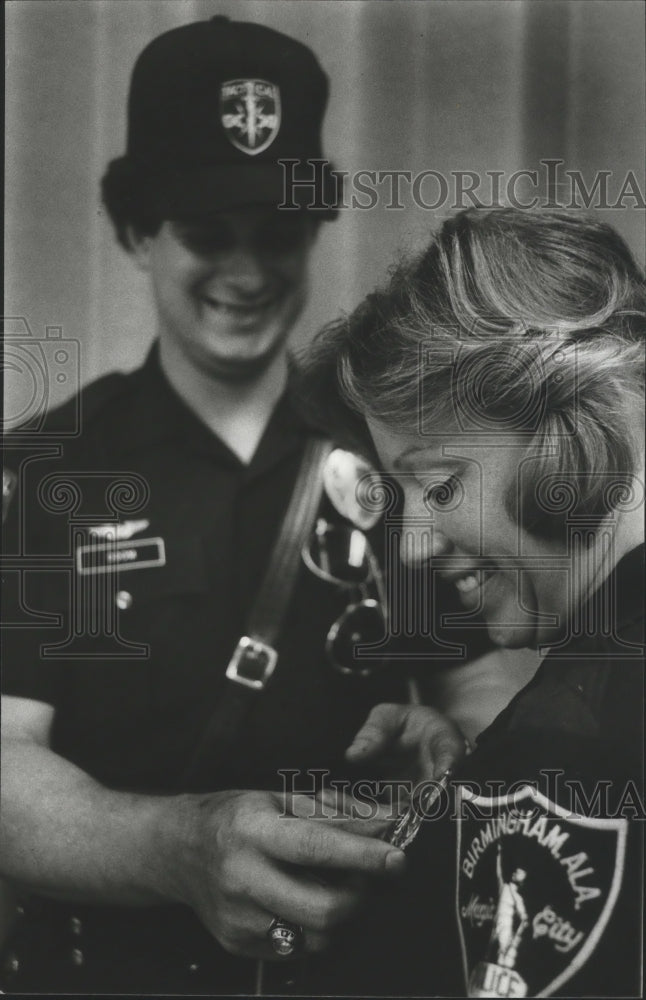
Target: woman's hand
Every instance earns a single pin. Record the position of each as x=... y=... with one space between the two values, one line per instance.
x=414 y=743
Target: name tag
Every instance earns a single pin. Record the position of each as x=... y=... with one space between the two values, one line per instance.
x=107 y=557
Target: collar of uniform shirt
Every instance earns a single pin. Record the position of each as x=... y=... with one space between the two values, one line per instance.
x=155 y=413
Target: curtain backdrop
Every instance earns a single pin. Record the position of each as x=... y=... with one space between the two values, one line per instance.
x=443 y=85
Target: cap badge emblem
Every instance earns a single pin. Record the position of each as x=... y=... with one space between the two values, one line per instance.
x=250 y=114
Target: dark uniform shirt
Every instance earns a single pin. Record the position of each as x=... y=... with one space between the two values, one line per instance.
x=526 y=879
x=133 y=661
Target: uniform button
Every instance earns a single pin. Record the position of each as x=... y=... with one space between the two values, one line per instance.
x=77 y=956
x=193 y=967
x=124 y=600
x=286 y=985
x=75 y=925
x=12 y=963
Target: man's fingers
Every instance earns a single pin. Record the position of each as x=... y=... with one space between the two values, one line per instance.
x=301 y=900
x=366 y=826
x=310 y=806
x=383 y=726
x=248 y=936
x=314 y=844
x=366 y=817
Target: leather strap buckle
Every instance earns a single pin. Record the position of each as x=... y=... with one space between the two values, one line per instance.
x=252 y=663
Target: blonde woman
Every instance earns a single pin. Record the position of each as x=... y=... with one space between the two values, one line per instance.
x=500 y=375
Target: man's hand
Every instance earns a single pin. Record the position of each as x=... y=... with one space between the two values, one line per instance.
x=237 y=858
x=409 y=742
x=258 y=855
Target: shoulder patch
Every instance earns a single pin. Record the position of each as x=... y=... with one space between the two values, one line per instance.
x=536 y=887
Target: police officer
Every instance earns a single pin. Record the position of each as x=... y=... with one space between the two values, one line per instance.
x=153 y=840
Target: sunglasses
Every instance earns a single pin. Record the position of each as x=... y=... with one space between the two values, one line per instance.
x=341 y=555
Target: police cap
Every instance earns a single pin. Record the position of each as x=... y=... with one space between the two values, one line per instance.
x=214 y=105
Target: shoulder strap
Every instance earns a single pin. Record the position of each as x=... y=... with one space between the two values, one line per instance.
x=255 y=658
x=266 y=617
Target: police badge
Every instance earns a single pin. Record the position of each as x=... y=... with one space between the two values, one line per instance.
x=353 y=487
x=536 y=887
x=250 y=114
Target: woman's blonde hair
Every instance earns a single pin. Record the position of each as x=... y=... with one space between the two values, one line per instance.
x=510 y=320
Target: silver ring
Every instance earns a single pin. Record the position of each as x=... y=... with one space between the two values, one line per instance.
x=284 y=938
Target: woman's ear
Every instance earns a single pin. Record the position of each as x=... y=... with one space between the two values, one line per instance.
x=139 y=246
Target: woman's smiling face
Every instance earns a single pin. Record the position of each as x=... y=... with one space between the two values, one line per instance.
x=458 y=515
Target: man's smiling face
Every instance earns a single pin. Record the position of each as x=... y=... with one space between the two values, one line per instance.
x=229 y=289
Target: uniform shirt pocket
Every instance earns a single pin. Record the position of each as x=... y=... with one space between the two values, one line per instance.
x=117 y=679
